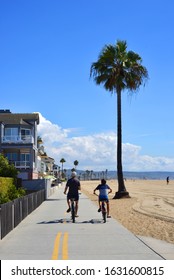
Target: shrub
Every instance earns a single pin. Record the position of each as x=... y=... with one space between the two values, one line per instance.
x=8 y=190
x=6 y=169
x=8 y=181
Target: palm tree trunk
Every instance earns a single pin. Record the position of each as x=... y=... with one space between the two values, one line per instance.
x=121 y=186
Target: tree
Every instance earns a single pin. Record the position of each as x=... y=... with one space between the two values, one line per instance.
x=91 y=174
x=76 y=163
x=6 y=169
x=8 y=182
x=118 y=70
x=62 y=161
x=87 y=173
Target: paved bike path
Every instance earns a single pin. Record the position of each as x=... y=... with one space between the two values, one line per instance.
x=48 y=233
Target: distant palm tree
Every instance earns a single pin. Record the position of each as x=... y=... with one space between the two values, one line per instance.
x=106 y=174
x=118 y=70
x=62 y=161
x=76 y=163
x=87 y=173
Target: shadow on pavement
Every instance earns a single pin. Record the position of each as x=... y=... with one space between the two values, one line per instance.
x=67 y=221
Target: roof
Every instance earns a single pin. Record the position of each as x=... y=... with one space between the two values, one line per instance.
x=10 y=118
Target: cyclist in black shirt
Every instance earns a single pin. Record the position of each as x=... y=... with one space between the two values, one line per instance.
x=73 y=187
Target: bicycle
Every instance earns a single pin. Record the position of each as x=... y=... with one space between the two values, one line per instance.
x=73 y=214
x=103 y=209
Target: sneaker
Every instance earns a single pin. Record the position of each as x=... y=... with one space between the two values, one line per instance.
x=99 y=210
x=108 y=216
x=76 y=216
x=69 y=209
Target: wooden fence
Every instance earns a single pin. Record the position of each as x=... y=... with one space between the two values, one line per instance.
x=12 y=213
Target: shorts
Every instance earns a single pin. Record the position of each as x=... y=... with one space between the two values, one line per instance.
x=103 y=198
x=75 y=196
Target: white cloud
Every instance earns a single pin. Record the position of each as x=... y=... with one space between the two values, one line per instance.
x=51 y=132
x=96 y=152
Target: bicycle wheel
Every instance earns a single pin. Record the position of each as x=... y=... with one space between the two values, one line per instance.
x=104 y=217
x=104 y=212
x=73 y=211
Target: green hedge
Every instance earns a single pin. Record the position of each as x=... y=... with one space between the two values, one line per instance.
x=8 y=190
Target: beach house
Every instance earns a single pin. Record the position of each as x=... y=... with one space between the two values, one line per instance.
x=18 y=142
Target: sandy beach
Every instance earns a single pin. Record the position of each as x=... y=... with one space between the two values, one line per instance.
x=149 y=211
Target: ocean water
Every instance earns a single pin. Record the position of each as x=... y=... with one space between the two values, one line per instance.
x=153 y=175
x=148 y=175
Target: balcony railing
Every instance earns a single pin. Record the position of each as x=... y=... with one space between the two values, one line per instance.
x=21 y=164
x=18 y=139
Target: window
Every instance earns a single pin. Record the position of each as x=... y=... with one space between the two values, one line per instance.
x=11 y=134
x=25 y=157
x=25 y=134
x=12 y=156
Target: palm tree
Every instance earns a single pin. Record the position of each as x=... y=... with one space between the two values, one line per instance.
x=76 y=163
x=87 y=173
x=91 y=174
x=62 y=161
x=118 y=70
x=106 y=174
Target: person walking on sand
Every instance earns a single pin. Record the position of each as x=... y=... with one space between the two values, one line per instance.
x=167 y=180
x=104 y=190
x=73 y=187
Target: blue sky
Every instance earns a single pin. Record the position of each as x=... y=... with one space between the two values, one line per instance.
x=46 y=50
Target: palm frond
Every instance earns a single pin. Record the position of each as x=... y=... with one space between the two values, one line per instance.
x=117 y=68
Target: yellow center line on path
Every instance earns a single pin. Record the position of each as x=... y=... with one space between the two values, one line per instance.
x=56 y=247
x=55 y=254
x=65 y=247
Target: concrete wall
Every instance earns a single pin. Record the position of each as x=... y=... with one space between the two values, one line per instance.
x=39 y=184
